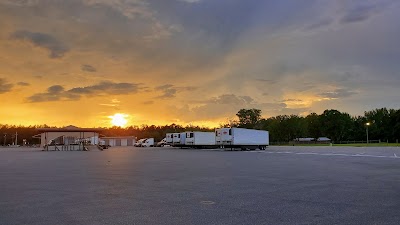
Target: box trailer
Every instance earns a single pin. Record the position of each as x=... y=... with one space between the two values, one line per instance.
x=182 y=140
x=172 y=138
x=175 y=139
x=241 y=138
x=197 y=139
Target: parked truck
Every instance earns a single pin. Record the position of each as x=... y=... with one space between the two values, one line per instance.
x=197 y=139
x=241 y=138
x=149 y=142
x=139 y=142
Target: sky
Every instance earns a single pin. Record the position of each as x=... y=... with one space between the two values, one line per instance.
x=194 y=61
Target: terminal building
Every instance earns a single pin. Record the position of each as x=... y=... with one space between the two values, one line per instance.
x=68 y=138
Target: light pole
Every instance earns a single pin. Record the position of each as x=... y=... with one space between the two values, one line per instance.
x=366 y=126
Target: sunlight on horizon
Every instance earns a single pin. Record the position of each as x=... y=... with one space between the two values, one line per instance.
x=119 y=119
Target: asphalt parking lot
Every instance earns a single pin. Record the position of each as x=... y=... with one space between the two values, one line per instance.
x=127 y=185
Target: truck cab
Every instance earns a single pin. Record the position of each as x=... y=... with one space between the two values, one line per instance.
x=139 y=142
x=148 y=142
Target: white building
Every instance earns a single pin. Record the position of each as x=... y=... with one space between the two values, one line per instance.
x=118 y=141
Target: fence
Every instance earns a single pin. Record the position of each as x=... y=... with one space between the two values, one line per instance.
x=291 y=143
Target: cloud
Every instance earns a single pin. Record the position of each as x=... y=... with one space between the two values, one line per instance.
x=222 y=107
x=190 y=1
x=46 y=41
x=292 y=100
x=231 y=99
x=129 y=8
x=19 y=2
x=170 y=91
x=88 y=68
x=57 y=92
x=359 y=13
x=338 y=93
x=24 y=84
x=148 y=102
x=320 y=24
x=268 y=81
x=4 y=86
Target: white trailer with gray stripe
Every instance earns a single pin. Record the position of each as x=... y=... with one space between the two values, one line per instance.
x=241 y=138
x=197 y=139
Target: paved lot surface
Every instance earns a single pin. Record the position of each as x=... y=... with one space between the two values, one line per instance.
x=282 y=185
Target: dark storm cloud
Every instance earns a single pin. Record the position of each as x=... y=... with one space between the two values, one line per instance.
x=24 y=84
x=57 y=92
x=338 y=93
x=46 y=41
x=4 y=86
x=88 y=68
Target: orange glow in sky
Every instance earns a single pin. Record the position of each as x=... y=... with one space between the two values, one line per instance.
x=100 y=63
x=119 y=119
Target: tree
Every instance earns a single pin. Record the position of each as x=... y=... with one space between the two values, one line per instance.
x=380 y=123
x=248 y=118
x=336 y=125
x=313 y=125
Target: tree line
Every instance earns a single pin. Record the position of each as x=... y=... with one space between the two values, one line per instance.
x=8 y=132
x=384 y=125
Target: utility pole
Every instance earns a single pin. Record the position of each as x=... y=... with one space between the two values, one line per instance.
x=16 y=138
x=5 y=137
x=367 y=124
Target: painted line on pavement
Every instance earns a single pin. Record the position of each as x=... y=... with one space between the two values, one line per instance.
x=335 y=154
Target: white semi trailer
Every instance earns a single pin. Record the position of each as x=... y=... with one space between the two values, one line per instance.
x=241 y=138
x=172 y=138
x=176 y=139
x=197 y=139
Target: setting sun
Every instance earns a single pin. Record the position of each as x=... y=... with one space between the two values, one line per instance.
x=118 y=119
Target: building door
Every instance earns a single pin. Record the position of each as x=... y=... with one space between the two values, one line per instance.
x=118 y=142
x=124 y=142
x=130 y=142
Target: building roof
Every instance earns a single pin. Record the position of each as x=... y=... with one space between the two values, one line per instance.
x=70 y=128
x=323 y=139
x=120 y=137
